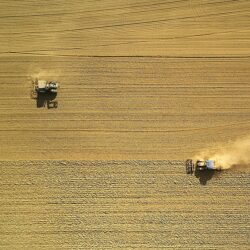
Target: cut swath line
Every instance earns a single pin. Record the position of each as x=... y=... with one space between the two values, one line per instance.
x=133 y=131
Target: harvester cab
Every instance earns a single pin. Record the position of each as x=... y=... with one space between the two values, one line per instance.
x=43 y=86
x=199 y=165
x=46 y=86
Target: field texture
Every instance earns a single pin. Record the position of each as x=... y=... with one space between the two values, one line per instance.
x=144 y=80
x=124 y=108
x=139 y=79
x=121 y=204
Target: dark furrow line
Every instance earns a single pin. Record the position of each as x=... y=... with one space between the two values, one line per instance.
x=125 y=24
x=132 y=131
x=132 y=42
x=122 y=94
x=103 y=14
x=131 y=56
x=93 y=11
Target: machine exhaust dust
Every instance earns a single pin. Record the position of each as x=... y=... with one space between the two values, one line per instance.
x=232 y=154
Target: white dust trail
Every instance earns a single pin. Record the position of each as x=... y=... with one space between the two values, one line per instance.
x=44 y=74
x=232 y=154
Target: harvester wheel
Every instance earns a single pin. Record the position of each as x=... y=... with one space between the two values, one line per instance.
x=52 y=104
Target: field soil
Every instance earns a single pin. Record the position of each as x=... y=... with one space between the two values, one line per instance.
x=123 y=108
x=139 y=79
x=121 y=205
x=143 y=86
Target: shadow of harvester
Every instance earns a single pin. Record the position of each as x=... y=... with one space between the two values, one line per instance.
x=46 y=99
x=206 y=175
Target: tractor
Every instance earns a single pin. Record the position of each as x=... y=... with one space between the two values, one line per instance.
x=43 y=86
x=44 y=92
x=200 y=165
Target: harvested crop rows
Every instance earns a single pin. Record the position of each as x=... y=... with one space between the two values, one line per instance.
x=124 y=108
x=121 y=204
x=139 y=79
x=141 y=83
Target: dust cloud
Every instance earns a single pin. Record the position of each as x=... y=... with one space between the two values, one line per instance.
x=233 y=154
x=41 y=73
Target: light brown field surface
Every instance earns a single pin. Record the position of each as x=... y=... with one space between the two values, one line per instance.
x=139 y=80
x=124 y=108
x=121 y=204
x=125 y=28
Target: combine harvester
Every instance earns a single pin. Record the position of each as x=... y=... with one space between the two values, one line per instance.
x=45 y=91
x=200 y=165
x=43 y=86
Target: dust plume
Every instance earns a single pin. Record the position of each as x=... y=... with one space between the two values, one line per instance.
x=44 y=74
x=232 y=154
x=52 y=73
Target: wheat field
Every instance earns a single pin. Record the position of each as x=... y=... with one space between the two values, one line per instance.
x=144 y=85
